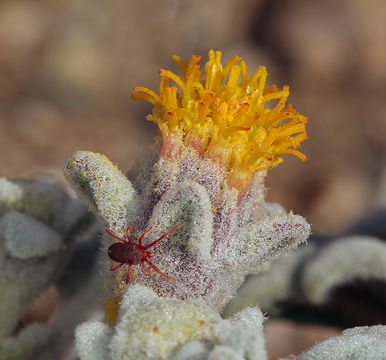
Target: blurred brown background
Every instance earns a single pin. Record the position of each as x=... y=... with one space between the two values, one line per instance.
x=67 y=69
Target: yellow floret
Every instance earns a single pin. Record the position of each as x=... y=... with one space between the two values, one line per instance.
x=225 y=116
x=111 y=310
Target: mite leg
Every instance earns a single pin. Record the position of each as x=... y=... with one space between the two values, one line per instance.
x=116 y=237
x=163 y=236
x=128 y=235
x=146 y=272
x=159 y=271
x=140 y=239
x=117 y=267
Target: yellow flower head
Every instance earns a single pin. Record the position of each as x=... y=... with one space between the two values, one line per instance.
x=224 y=118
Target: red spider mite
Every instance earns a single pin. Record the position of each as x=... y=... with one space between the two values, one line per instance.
x=127 y=252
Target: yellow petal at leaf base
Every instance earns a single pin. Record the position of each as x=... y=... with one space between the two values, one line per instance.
x=111 y=310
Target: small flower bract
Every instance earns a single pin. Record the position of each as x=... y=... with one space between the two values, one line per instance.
x=225 y=118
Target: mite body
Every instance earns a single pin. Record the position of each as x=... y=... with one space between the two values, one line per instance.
x=126 y=252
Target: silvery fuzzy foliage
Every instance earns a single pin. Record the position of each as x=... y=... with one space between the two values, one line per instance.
x=150 y=327
x=343 y=262
x=272 y=286
x=220 y=238
x=353 y=344
x=311 y=275
x=38 y=222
